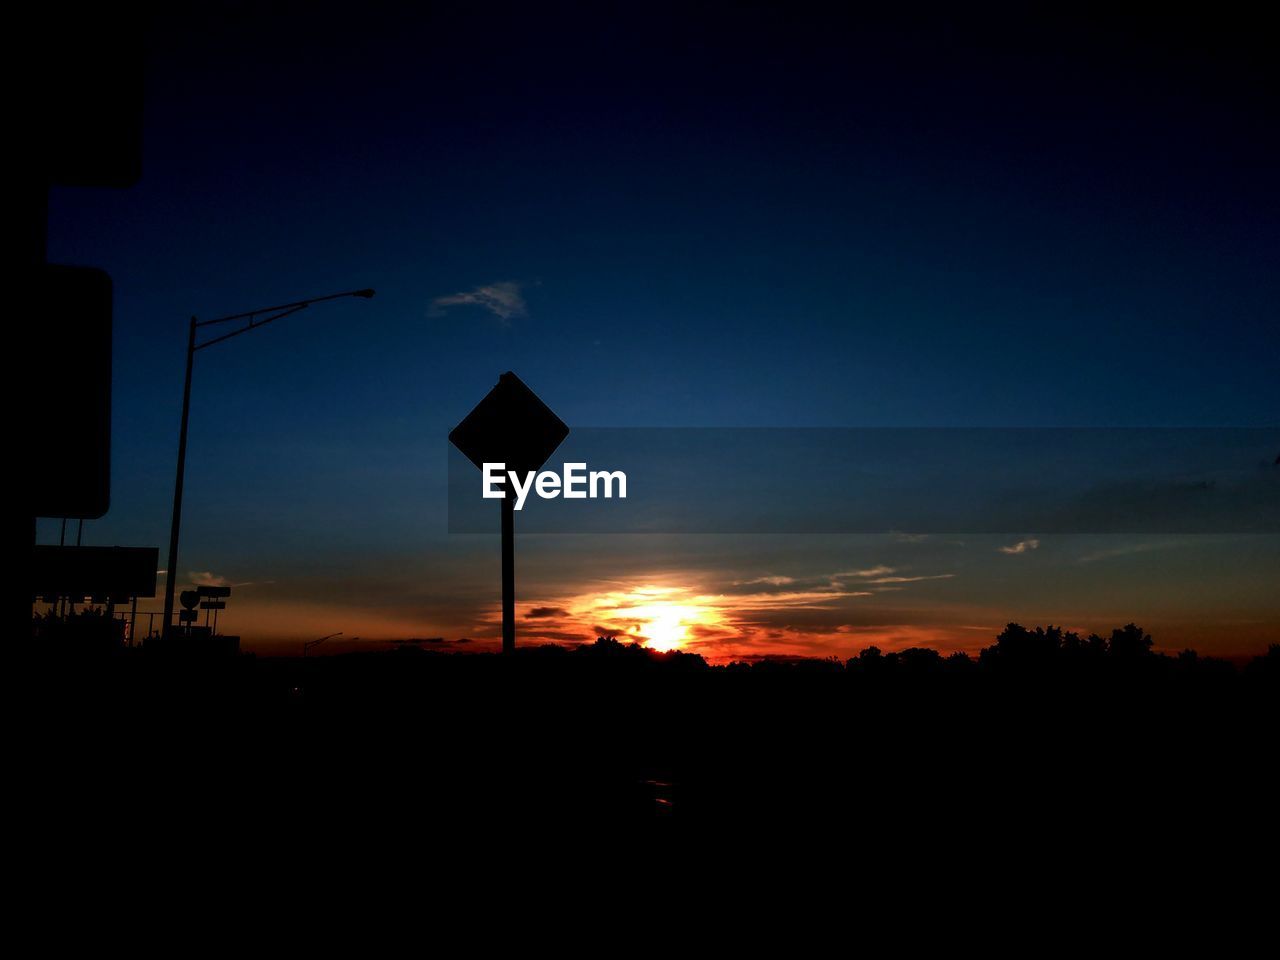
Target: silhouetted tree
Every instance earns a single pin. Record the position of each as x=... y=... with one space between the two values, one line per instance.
x=920 y=660
x=1129 y=642
x=1018 y=647
x=1266 y=666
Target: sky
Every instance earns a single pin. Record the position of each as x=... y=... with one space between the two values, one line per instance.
x=740 y=216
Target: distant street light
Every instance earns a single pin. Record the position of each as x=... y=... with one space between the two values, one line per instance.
x=283 y=310
x=315 y=643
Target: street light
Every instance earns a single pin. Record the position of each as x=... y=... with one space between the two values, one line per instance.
x=282 y=310
x=315 y=643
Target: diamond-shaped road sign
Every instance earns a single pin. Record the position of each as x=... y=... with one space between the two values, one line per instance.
x=510 y=425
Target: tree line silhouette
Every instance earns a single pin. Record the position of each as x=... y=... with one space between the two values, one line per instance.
x=1045 y=650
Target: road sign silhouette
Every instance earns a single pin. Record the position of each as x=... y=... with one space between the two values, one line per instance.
x=511 y=425
x=74 y=479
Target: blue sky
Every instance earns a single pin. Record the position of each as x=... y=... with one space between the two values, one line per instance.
x=730 y=218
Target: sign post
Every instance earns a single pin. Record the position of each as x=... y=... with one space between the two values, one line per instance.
x=508 y=573
x=215 y=599
x=187 y=616
x=512 y=426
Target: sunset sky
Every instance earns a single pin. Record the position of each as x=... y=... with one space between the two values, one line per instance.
x=729 y=219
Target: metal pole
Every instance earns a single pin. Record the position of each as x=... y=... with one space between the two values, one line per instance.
x=508 y=574
x=171 y=576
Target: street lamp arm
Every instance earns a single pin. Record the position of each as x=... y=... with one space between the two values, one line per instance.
x=251 y=325
x=366 y=293
x=315 y=643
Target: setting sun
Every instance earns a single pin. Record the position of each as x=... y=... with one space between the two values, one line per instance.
x=664 y=626
x=662 y=618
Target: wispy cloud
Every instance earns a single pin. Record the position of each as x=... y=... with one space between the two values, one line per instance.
x=937 y=576
x=844 y=583
x=204 y=578
x=879 y=571
x=1129 y=549
x=503 y=299
x=538 y=613
x=1022 y=546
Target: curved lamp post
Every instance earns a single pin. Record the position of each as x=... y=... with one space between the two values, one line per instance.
x=315 y=643
x=253 y=323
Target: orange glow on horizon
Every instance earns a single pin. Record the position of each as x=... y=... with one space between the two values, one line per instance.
x=820 y=621
x=660 y=618
x=722 y=627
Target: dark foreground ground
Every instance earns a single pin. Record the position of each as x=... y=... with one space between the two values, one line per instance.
x=150 y=746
